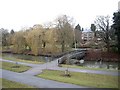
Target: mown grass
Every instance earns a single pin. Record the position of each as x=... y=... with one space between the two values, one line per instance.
x=12 y=84
x=14 y=67
x=22 y=60
x=82 y=79
x=82 y=67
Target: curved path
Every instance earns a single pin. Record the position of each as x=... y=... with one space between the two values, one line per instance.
x=29 y=78
x=37 y=68
x=35 y=81
x=32 y=80
x=26 y=64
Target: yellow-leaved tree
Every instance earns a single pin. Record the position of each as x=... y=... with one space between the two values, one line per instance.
x=19 y=42
x=34 y=38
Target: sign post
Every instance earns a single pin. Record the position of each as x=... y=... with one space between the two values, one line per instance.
x=46 y=61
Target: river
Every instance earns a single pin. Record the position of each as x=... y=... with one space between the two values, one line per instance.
x=90 y=64
x=28 y=57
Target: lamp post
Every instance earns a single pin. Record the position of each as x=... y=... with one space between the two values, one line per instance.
x=67 y=62
x=46 y=61
x=74 y=38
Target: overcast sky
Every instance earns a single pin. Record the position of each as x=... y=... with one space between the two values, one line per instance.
x=16 y=14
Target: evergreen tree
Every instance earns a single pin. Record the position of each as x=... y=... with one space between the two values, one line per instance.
x=12 y=31
x=93 y=28
x=116 y=26
x=78 y=27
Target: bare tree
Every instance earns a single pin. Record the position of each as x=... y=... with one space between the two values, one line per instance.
x=103 y=26
x=65 y=30
x=48 y=25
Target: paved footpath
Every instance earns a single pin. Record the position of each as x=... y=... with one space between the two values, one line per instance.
x=35 y=81
x=37 y=68
x=113 y=73
x=26 y=64
x=29 y=78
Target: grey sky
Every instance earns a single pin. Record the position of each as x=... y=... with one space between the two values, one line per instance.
x=16 y=14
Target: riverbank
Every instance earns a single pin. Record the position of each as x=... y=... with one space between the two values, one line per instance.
x=90 y=54
x=55 y=55
x=97 y=55
x=89 y=68
x=46 y=55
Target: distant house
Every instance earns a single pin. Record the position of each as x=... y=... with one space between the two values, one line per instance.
x=87 y=36
x=89 y=39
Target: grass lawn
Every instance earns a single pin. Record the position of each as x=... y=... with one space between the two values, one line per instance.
x=83 y=79
x=82 y=67
x=21 y=60
x=13 y=67
x=11 y=84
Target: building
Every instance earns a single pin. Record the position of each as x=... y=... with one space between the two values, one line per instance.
x=87 y=36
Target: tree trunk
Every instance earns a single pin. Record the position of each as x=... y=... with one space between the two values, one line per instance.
x=108 y=46
x=118 y=44
x=95 y=39
x=63 y=45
